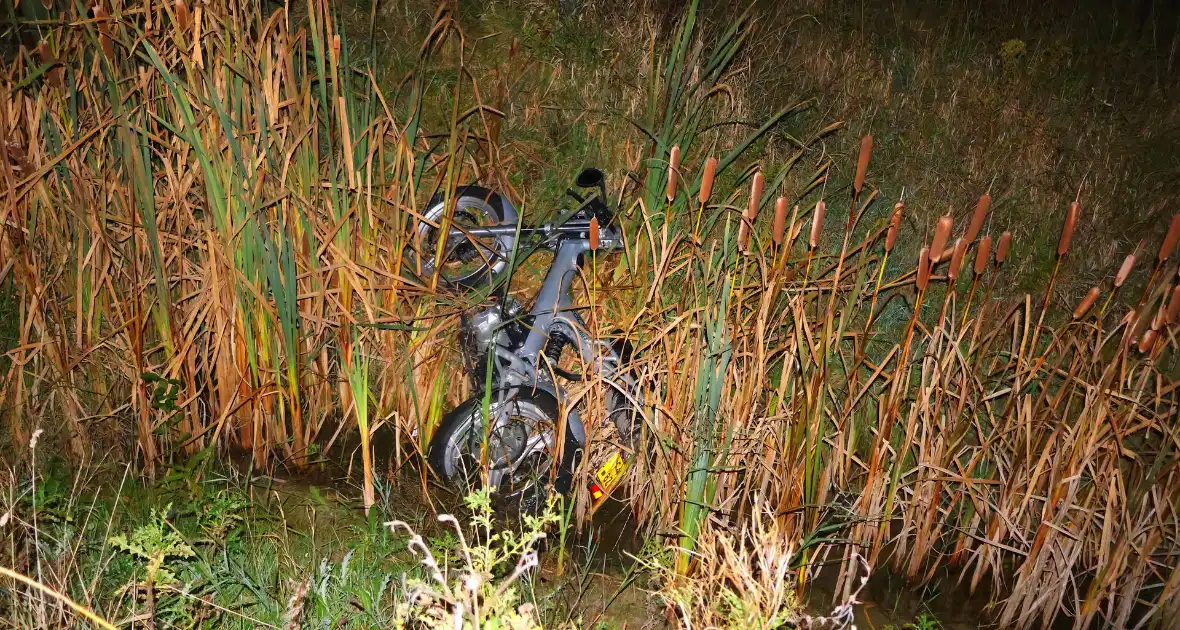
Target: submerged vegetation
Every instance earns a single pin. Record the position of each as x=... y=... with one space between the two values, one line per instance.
x=205 y=209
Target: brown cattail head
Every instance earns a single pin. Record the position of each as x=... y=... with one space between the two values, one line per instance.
x=980 y=215
x=923 y=277
x=1147 y=341
x=1168 y=247
x=56 y=75
x=594 y=236
x=183 y=17
x=960 y=250
x=1071 y=223
x=1086 y=303
x=862 y=163
x=104 y=33
x=755 y=196
x=984 y=253
x=894 y=227
x=751 y=211
x=706 y=178
x=1124 y=270
x=942 y=232
x=780 y=220
x=817 y=223
x=1174 y=307
x=673 y=173
x=1003 y=246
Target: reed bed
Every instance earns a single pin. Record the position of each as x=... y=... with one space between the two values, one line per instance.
x=204 y=213
x=910 y=417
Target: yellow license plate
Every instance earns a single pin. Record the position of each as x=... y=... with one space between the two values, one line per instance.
x=611 y=472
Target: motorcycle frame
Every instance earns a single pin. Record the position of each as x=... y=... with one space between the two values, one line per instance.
x=552 y=311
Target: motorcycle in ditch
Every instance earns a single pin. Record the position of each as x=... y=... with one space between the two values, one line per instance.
x=511 y=434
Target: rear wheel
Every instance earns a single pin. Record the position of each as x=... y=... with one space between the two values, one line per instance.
x=466 y=260
x=521 y=454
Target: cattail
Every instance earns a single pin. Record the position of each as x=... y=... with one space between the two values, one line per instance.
x=594 y=234
x=1174 y=307
x=980 y=215
x=941 y=233
x=894 y=226
x=673 y=168
x=982 y=256
x=56 y=74
x=1124 y=270
x=817 y=223
x=755 y=196
x=104 y=33
x=960 y=250
x=1002 y=247
x=751 y=210
x=706 y=177
x=862 y=163
x=183 y=17
x=1086 y=303
x=1071 y=223
x=1146 y=341
x=923 y=277
x=1168 y=247
x=780 y=220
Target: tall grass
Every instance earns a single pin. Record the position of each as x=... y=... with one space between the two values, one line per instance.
x=1017 y=451
x=237 y=191
x=217 y=199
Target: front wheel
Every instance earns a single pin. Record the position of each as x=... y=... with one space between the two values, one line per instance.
x=518 y=445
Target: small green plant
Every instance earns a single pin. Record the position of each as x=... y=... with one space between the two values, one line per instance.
x=923 y=622
x=484 y=591
x=158 y=546
x=163 y=551
x=222 y=517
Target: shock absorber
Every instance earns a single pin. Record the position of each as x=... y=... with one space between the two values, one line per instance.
x=553 y=349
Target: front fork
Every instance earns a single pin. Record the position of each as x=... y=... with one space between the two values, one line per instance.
x=511 y=370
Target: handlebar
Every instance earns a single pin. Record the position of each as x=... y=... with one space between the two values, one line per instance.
x=575 y=223
x=570 y=228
